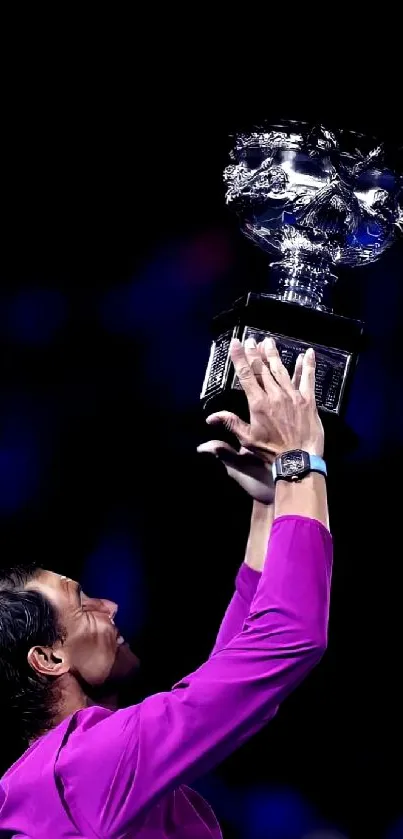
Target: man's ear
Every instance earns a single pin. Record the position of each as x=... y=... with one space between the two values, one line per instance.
x=48 y=661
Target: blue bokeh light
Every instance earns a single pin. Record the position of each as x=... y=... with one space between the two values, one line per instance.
x=225 y=801
x=168 y=303
x=160 y=293
x=113 y=571
x=19 y=474
x=34 y=317
x=169 y=287
x=20 y=454
x=396 y=832
x=277 y=812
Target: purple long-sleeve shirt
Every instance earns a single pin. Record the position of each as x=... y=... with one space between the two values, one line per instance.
x=122 y=774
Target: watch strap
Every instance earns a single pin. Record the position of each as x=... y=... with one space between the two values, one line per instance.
x=317 y=464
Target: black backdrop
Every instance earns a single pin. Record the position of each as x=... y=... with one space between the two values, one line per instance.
x=114 y=144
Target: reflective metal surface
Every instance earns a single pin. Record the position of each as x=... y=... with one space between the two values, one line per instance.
x=316 y=198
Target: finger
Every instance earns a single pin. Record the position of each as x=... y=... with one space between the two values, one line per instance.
x=267 y=348
x=262 y=348
x=254 y=358
x=296 y=379
x=307 y=383
x=277 y=369
x=232 y=423
x=223 y=451
x=216 y=447
x=268 y=382
x=262 y=351
x=252 y=350
x=243 y=370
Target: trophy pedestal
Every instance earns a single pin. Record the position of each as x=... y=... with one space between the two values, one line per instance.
x=335 y=339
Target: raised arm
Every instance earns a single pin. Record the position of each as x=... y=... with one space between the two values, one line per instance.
x=253 y=474
x=139 y=754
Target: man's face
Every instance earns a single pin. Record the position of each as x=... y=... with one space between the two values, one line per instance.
x=93 y=650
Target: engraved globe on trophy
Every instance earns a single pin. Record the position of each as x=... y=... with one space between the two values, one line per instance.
x=315 y=199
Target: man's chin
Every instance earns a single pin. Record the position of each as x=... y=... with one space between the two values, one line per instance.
x=126 y=663
x=122 y=676
x=126 y=659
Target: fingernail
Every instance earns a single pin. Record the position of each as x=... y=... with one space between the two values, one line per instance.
x=310 y=353
x=270 y=343
x=250 y=343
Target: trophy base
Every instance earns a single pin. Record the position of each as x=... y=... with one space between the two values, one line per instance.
x=335 y=339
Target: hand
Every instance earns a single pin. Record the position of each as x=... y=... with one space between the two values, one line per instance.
x=251 y=472
x=283 y=414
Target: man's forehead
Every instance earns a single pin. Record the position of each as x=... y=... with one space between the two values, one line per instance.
x=50 y=579
x=51 y=576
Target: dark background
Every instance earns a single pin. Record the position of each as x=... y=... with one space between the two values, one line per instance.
x=116 y=251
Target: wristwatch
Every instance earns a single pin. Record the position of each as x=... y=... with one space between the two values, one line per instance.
x=294 y=465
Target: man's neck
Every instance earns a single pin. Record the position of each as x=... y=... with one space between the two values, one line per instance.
x=109 y=702
x=73 y=699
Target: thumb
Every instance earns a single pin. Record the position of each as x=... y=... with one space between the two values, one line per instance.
x=232 y=423
x=215 y=447
x=223 y=451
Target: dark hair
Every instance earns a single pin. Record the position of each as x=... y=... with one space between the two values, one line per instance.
x=27 y=619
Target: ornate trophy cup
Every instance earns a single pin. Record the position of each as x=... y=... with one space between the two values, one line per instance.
x=314 y=199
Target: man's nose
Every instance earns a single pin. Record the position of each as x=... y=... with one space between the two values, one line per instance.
x=111 y=608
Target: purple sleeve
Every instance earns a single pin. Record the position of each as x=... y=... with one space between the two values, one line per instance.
x=137 y=755
x=238 y=610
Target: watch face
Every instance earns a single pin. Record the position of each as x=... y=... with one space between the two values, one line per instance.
x=293 y=463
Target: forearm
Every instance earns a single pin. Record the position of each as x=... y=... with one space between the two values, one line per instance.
x=248 y=576
x=259 y=534
x=307 y=498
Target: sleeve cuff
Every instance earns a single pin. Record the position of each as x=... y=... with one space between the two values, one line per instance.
x=247 y=581
x=321 y=527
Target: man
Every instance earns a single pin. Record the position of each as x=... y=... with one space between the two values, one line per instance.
x=91 y=771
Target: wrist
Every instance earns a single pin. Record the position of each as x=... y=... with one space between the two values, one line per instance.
x=306 y=497
x=315 y=448
x=260 y=526
x=262 y=512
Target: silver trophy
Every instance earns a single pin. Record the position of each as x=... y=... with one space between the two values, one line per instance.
x=314 y=199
